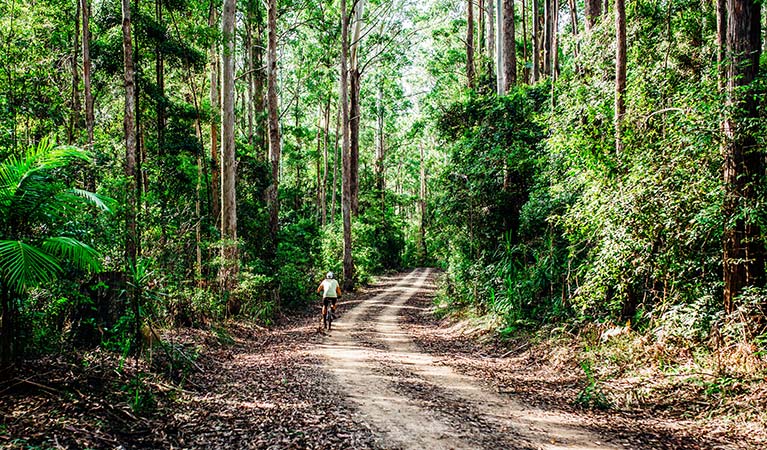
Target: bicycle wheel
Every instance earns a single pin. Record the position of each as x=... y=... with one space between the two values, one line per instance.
x=328 y=319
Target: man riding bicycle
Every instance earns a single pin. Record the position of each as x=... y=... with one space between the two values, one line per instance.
x=330 y=293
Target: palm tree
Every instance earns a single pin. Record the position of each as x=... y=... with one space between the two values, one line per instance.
x=36 y=198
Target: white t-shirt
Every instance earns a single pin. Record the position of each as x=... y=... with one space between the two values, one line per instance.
x=330 y=285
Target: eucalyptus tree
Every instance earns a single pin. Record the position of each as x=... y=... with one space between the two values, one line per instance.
x=230 y=265
x=620 y=72
x=744 y=248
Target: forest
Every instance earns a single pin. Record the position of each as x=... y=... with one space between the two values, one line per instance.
x=583 y=175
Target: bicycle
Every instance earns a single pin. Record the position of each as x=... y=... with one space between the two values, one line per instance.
x=327 y=318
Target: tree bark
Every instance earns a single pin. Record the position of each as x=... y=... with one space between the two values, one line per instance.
x=346 y=202
x=721 y=38
x=326 y=143
x=215 y=123
x=554 y=40
x=509 y=46
x=380 y=150
x=85 y=9
x=593 y=11
x=470 y=43
x=491 y=42
x=525 y=69
x=422 y=206
x=274 y=120
x=74 y=118
x=536 y=29
x=744 y=251
x=160 y=77
x=574 y=25
x=620 y=72
x=335 y=167
x=229 y=267
x=354 y=118
x=131 y=174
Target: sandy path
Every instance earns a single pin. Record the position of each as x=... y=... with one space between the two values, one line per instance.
x=419 y=403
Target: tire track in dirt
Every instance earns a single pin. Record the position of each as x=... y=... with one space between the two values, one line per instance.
x=418 y=403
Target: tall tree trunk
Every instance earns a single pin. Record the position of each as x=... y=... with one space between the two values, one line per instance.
x=721 y=42
x=593 y=11
x=500 y=81
x=554 y=39
x=470 y=43
x=215 y=123
x=74 y=117
x=490 y=19
x=274 y=120
x=354 y=117
x=325 y=145
x=380 y=150
x=346 y=198
x=131 y=174
x=160 y=77
x=525 y=70
x=335 y=167
x=547 y=27
x=230 y=265
x=85 y=9
x=509 y=46
x=574 y=24
x=536 y=41
x=250 y=54
x=744 y=251
x=422 y=206
x=620 y=72
x=482 y=44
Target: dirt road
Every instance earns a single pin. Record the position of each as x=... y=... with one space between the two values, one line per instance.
x=418 y=402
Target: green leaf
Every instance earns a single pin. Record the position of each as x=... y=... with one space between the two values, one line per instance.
x=72 y=250
x=23 y=266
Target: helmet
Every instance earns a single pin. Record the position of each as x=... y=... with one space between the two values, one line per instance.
x=330 y=275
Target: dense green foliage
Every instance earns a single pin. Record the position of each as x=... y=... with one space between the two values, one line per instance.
x=528 y=208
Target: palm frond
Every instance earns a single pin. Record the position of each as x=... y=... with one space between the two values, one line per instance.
x=22 y=265
x=99 y=201
x=74 y=251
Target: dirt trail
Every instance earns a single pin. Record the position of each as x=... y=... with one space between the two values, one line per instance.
x=418 y=402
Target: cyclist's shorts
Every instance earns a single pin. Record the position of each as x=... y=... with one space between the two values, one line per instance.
x=329 y=301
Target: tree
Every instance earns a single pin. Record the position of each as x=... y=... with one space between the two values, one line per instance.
x=620 y=72
x=470 y=43
x=346 y=201
x=354 y=107
x=509 y=46
x=744 y=251
x=230 y=266
x=132 y=175
x=274 y=124
x=593 y=11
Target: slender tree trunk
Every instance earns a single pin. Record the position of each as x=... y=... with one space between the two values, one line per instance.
x=536 y=41
x=509 y=46
x=318 y=163
x=7 y=334
x=490 y=19
x=744 y=250
x=160 y=77
x=380 y=150
x=249 y=52
x=326 y=143
x=422 y=206
x=85 y=9
x=215 y=123
x=470 y=43
x=548 y=22
x=74 y=118
x=482 y=44
x=620 y=72
x=335 y=167
x=525 y=70
x=554 y=40
x=721 y=39
x=574 y=25
x=230 y=266
x=500 y=81
x=346 y=203
x=274 y=121
x=131 y=174
x=354 y=118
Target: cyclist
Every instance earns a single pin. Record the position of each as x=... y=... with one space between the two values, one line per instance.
x=330 y=293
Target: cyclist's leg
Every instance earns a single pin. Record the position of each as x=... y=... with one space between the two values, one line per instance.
x=333 y=305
